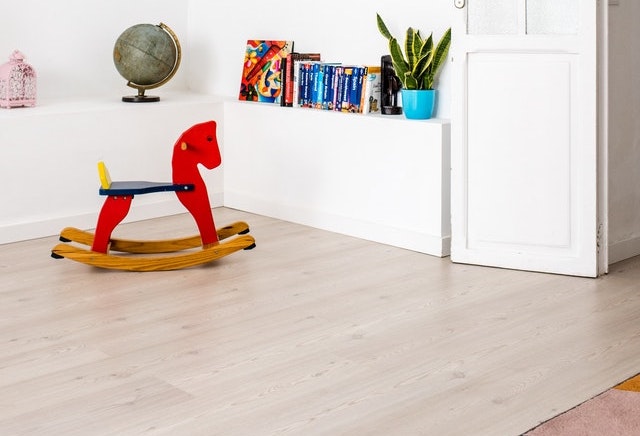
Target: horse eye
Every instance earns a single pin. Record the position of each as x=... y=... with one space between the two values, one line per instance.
x=209 y=138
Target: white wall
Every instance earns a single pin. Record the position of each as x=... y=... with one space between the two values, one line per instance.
x=624 y=130
x=70 y=43
x=342 y=31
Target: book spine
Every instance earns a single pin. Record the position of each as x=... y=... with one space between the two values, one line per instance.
x=327 y=80
x=314 y=84
x=297 y=83
x=345 y=89
x=363 y=85
x=373 y=90
x=319 y=86
x=310 y=79
x=305 y=88
x=289 y=80
x=283 y=81
x=354 y=89
x=337 y=85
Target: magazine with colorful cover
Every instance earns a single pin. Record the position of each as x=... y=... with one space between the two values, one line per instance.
x=372 y=90
x=262 y=70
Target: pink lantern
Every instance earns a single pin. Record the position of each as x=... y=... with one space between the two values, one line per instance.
x=17 y=82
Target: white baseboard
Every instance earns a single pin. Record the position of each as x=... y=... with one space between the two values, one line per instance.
x=434 y=245
x=624 y=249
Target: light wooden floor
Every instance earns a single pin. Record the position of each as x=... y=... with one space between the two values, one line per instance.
x=310 y=333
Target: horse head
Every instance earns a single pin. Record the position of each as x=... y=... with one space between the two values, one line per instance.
x=197 y=145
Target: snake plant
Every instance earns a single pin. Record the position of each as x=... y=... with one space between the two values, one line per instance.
x=421 y=61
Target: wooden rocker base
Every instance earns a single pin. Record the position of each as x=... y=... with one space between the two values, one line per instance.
x=154 y=263
x=72 y=234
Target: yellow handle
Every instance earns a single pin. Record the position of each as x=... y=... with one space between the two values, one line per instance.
x=105 y=178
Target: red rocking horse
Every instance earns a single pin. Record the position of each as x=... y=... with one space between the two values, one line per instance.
x=197 y=145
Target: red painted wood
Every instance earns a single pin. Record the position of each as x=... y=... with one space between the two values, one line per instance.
x=114 y=210
x=197 y=145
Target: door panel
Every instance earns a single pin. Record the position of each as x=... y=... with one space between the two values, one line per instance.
x=504 y=186
x=524 y=139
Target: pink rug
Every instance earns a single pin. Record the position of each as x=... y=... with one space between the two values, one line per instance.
x=615 y=412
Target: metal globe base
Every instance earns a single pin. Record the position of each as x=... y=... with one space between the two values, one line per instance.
x=140 y=98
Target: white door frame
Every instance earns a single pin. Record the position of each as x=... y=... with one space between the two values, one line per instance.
x=603 y=136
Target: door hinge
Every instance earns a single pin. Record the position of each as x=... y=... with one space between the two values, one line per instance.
x=599 y=237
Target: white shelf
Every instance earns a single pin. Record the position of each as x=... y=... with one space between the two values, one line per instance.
x=382 y=178
x=105 y=103
x=49 y=156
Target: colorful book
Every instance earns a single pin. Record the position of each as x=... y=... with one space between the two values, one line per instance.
x=313 y=87
x=318 y=85
x=295 y=84
x=355 y=89
x=283 y=81
x=262 y=71
x=372 y=90
x=363 y=84
x=328 y=86
x=304 y=97
x=337 y=86
x=345 y=88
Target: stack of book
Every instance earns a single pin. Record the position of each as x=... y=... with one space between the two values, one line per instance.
x=274 y=73
x=311 y=83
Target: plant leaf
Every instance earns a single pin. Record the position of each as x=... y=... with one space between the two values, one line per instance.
x=383 y=27
x=440 y=54
x=397 y=56
x=418 y=42
x=410 y=81
x=400 y=65
x=427 y=46
x=410 y=48
x=442 y=49
x=422 y=68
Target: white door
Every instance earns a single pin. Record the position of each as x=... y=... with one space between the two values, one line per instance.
x=525 y=135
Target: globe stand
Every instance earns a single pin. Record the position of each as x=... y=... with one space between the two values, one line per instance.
x=140 y=98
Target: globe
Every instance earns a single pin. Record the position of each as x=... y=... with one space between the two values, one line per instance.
x=147 y=56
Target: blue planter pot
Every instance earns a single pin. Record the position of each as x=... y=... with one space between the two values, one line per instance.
x=418 y=104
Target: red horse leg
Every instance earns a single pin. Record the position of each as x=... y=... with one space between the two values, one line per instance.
x=197 y=203
x=114 y=210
